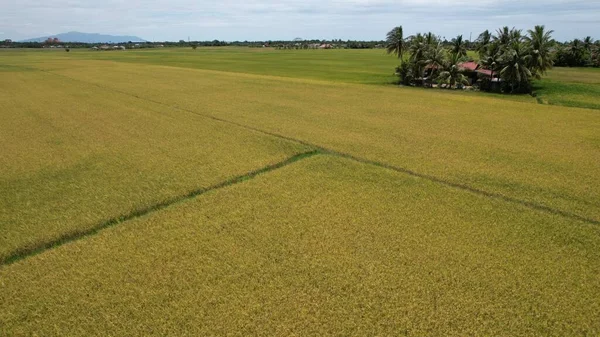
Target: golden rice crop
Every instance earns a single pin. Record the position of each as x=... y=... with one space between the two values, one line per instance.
x=424 y=213
x=326 y=246
x=74 y=156
x=545 y=155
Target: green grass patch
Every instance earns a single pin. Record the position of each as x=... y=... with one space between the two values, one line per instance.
x=576 y=87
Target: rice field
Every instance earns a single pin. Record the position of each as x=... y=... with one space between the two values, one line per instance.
x=176 y=193
x=75 y=157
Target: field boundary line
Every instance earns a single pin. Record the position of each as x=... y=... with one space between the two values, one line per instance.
x=325 y=150
x=23 y=253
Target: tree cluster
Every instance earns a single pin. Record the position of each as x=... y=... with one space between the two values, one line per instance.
x=512 y=59
x=578 y=53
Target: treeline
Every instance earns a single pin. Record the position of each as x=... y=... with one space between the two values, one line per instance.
x=128 y=45
x=578 y=53
x=509 y=59
x=279 y=44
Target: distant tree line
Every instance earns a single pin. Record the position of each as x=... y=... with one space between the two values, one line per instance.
x=279 y=44
x=509 y=60
x=578 y=53
x=128 y=45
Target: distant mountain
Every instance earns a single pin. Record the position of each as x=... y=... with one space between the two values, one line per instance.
x=88 y=38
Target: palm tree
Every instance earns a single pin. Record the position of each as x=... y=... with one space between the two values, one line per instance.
x=588 y=42
x=417 y=48
x=395 y=42
x=516 y=35
x=492 y=58
x=502 y=36
x=515 y=60
x=430 y=39
x=539 y=42
x=577 y=48
x=458 y=46
x=483 y=42
x=452 y=76
x=436 y=58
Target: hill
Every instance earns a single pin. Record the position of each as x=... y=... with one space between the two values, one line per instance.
x=88 y=38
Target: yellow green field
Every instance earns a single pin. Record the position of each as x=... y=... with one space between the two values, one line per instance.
x=150 y=198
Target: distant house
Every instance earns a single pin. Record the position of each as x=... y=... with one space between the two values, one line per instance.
x=488 y=73
x=105 y=47
x=325 y=46
x=469 y=69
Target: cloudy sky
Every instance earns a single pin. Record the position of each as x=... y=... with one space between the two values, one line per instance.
x=161 y=20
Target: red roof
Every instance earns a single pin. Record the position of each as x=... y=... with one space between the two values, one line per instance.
x=472 y=66
x=486 y=72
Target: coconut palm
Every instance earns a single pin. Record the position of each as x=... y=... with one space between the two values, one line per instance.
x=418 y=48
x=515 y=60
x=516 y=35
x=577 y=49
x=452 y=76
x=458 y=46
x=502 y=36
x=396 y=44
x=430 y=39
x=436 y=59
x=492 y=58
x=483 y=42
x=539 y=42
x=588 y=42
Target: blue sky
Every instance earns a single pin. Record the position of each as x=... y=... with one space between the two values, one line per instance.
x=161 y=20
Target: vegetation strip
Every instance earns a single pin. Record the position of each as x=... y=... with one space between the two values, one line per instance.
x=20 y=254
x=464 y=187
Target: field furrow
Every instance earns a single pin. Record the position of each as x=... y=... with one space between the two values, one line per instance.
x=75 y=157
x=542 y=155
x=326 y=246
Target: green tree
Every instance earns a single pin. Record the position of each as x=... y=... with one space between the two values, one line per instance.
x=430 y=39
x=502 y=37
x=452 y=76
x=406 y=73
x=539 y=42
x=417 y=48
x=492 y=60
x=588 y=43
x=577 y=50
x=483 y=41
x=436 y=59
x=458 y=47
x=395 y=42
x=515 y=72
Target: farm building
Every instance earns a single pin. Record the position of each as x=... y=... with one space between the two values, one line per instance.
x=469 y=69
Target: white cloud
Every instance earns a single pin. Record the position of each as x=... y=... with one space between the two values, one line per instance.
x=286 y=19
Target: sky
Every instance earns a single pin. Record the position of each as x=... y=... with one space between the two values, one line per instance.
x=230 y=20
